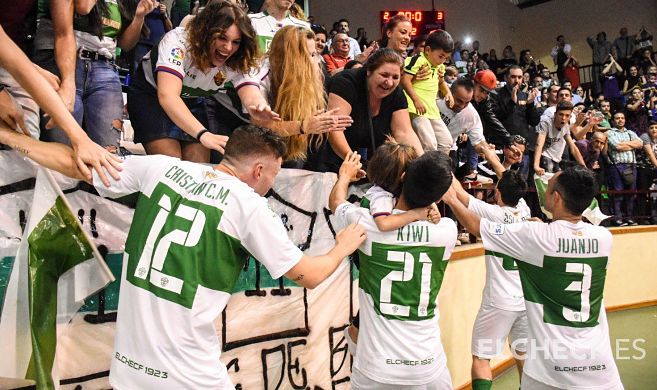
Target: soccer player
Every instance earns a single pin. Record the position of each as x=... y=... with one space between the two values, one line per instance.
x=401 y=272
x=563 y=267
x=194 y=227
x=502 y=312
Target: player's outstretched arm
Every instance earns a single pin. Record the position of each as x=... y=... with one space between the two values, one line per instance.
x=19 y=66
x=460 y=193
x=310 y=271
x=53 y=155
x=467 y=218
x=350 y=171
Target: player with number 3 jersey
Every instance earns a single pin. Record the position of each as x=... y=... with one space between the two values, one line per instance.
x=563 y=265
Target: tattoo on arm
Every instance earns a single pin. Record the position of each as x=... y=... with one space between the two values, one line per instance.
x=20 y=149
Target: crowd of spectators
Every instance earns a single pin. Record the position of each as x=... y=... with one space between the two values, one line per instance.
x=199 y=70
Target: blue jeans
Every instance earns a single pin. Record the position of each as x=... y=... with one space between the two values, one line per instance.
x=98 y=103
x=616 y=183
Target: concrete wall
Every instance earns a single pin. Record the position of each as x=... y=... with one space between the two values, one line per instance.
x=496 y=23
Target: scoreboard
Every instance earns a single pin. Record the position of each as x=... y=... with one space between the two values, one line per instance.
x=423 y=22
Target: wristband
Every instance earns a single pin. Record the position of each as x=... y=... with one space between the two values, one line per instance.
x=200 y=133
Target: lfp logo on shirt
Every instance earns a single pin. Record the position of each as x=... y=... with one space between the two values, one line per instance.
x=177 y=56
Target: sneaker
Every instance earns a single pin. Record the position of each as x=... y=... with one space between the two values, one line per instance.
x=484 y=179
x=618 y=222
x=630 y=222
x=350 y=342
x=477 y=179
x=470 y=179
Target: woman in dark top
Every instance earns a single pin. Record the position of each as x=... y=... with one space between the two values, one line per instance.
x=508 y=59
x=372 y=97
x=632 y=80
x=637 y=112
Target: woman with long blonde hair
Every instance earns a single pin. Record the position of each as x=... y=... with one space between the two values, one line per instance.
x=294 y=87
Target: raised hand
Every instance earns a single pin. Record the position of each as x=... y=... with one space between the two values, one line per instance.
x=351 y=167
x=327 y=121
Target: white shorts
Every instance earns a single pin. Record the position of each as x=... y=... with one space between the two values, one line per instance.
x=361 y=382
x=491 y=328
x=433 y=133
x=529 y=383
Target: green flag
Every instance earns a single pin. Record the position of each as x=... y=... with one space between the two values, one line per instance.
x=56 y=268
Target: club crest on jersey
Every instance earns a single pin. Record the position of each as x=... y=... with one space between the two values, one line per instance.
x=219 y=78
x=497 y=229
x=177 y=56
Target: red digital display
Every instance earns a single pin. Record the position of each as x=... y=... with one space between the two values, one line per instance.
x=423 y=22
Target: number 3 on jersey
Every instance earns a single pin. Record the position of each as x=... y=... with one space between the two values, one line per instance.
x=570 y=289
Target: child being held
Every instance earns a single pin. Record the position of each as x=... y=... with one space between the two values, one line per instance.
x=386 y=170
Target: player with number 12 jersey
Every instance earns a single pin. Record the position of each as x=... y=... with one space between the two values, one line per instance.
x=563 y=266
x=193 y=229
x=401 y=272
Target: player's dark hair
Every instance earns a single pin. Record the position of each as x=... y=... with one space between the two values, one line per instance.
x=512 y=187
x=427 y=179
x=420 y=38
x=440 y=39
x=250 y=140
x=577 y=186
x=351 y=63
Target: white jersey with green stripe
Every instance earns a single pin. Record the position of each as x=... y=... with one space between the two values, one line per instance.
x=401 y=272
x=563 y=267
x=502 y=289
x=266 y=27
x=193 y=229
x=173 y=57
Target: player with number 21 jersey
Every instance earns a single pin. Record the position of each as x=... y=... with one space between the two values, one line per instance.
x=401 y=272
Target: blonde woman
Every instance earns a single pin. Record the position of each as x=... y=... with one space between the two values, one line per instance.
x=292 y=83
x=295 y=88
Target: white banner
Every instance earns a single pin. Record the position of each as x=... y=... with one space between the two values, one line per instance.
x=274 y=334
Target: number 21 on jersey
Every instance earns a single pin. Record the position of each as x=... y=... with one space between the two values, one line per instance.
x=405 y=280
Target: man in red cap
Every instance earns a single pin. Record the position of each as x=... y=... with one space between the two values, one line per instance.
x=495 y=133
